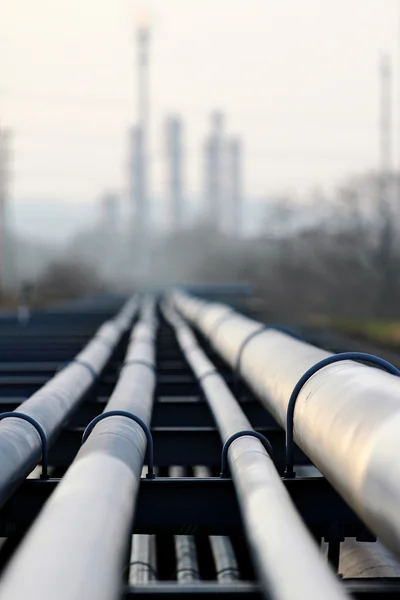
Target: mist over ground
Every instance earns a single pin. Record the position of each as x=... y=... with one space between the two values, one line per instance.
x=78 y=79
x=337 y=258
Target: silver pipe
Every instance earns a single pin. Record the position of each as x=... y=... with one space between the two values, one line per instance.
x=364 y=560
x=76 y=548
x=347 y=417
x=187 y=566
x=226 y=566
x=52 y=405
x=286 y=558
x=142 y=565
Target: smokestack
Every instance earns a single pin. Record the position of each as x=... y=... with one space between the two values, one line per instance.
x=109 y=212
x=5 y=242
x=235 y=185
x=174 y=166
x=137 y=181
x=386 y=115
x=386 y=247
x=141 y=135
x=214 y=171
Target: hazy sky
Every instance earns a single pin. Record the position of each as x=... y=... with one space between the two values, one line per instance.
x=298 y=79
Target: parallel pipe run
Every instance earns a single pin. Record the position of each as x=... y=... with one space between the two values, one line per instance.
x=52 y=405
x=142 y=568
x=347 y=416
x=226 y=566
x=187 y=566
x=287 y=560
x=83 y=531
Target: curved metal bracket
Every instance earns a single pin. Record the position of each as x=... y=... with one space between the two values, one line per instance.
x=41 y=432
x=356 y=356
x=139 y=421
x=251 y=433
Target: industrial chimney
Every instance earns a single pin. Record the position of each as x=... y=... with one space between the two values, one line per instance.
x=174 y=173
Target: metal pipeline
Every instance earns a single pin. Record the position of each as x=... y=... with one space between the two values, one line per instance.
x=226 y=566
x=52 y=405
x=346 y=419
x=142 y=564
x=187 y=566
x=286 y=558
x=77 y=547
x=366 y=559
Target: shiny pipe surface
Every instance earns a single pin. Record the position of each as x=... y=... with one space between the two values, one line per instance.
x=187 y=565
x=286 y=558
x=51 y=405
x=226 y=566
x=346 y=419
x=77 y=547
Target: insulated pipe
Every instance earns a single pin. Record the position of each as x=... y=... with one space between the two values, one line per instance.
x=76 y=548
x=187 y=566
x=226 y=566
x=346 y=419
x=286 y=558
x=225 y=560
x=366 y=559
x=52 y=405
x=142 y=565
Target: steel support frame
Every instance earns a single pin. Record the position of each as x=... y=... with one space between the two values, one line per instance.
x=204 y=506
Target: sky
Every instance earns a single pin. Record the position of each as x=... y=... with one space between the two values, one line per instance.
x=296 y=79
